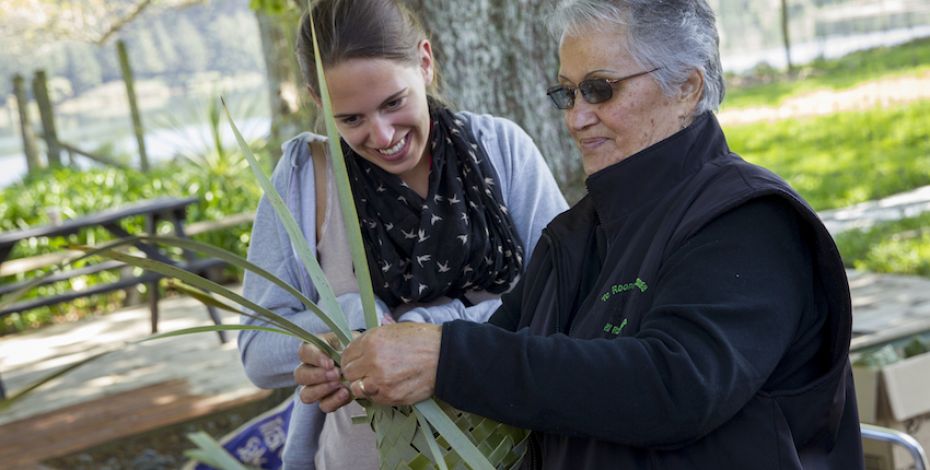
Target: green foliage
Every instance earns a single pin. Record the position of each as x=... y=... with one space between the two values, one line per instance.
x=902 y=246
x=273 y=7
x=896 y=352
x=766 y=87
x=880 y=357
x=844 y=158
x=73 y=193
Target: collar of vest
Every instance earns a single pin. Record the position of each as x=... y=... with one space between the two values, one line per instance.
x=648 y=174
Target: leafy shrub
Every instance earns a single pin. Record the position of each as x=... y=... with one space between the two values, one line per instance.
x=73 y=193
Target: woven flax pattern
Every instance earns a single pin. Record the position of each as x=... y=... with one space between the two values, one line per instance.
x=402 y=445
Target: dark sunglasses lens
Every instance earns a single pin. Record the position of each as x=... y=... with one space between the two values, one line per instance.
x=596 y=91
x=561 y=97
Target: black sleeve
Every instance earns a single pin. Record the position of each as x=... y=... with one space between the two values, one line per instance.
x=726 y=308
x=507 y=316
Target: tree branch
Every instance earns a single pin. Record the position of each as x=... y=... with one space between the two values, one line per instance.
x=120 y=23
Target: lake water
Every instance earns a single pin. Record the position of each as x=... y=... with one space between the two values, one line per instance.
x=160 y=145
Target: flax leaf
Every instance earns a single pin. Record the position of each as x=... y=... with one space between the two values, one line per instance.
x=296 y=236
x=342 y=332
x=431 y=440
x=212 y=287
x=19 y=395
x=212 y=453
x=344 y=190
x=453 y=435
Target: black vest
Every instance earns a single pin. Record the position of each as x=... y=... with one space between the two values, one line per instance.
x=680 y=185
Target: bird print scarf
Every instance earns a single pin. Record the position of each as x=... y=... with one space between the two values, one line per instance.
x=459 y=238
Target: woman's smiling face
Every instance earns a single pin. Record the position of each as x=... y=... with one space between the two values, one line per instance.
x=381 y=111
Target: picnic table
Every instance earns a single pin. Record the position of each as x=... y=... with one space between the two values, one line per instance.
x=155 y=211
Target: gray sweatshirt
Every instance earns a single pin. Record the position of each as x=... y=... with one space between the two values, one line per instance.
x=530 y=194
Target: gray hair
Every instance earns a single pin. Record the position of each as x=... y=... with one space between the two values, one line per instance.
x=677 y=35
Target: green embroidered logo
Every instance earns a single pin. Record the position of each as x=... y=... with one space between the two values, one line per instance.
x=621 y=288
x=614 y=329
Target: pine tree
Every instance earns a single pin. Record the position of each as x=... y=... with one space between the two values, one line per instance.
x=144 y=55
x=83 y=69
x=192 y=53
x=166 y=45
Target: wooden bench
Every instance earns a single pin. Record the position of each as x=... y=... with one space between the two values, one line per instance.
x=171 y=210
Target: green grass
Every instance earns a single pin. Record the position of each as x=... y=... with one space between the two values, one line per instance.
x=768 y=87
x=901 y=247
x=844 y=158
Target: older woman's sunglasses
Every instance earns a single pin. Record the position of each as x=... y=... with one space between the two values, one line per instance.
x=593 y=90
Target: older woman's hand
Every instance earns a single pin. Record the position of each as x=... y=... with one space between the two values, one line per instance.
x=320 y=378
x=394 y=364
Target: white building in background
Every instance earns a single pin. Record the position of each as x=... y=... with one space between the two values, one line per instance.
x=750 y=30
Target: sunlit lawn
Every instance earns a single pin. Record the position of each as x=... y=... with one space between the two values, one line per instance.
x=844 y=158
x=894 y=247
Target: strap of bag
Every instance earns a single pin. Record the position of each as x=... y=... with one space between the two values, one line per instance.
x=320 y=183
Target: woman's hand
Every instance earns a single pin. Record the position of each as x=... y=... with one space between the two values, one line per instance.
x=391 y=365
x=320 y=378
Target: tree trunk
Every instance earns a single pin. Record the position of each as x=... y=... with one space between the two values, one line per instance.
x=47 y=113
x=25 y=124
x=497 y=57
x=289 y=113
x=786 y=37
x=137 y=128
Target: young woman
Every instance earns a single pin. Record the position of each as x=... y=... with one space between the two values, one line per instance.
x=450 y=204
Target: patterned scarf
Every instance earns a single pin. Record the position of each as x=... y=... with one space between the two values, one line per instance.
x=459 y=238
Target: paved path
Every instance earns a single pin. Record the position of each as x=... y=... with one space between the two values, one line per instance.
x=210 y=369
x=880 y=93
x=866 y=214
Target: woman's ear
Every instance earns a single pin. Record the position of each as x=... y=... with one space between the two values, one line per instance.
x=692 y=89
x=315 y=97
x=425 y=51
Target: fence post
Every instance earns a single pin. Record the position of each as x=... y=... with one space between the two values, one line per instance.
x=126 y=71
x=25 y=125
x=40 y=91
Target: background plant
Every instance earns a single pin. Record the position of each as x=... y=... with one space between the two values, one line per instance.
x=74 y=192
x=901 y=247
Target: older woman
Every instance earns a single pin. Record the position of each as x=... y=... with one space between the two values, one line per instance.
x=690 y=312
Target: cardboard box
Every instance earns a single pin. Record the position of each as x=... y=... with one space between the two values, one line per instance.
x=895 y=396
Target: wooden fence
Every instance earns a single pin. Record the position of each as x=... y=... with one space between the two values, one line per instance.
x=53 y=145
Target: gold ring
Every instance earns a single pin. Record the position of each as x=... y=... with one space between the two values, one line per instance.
x=361 y=386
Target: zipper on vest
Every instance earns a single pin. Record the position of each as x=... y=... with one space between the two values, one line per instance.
x=554 y=255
